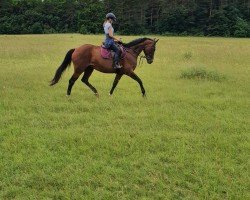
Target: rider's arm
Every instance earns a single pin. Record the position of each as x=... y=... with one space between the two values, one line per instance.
x=111 y=34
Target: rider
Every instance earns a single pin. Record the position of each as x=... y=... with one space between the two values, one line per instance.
x=110 y=40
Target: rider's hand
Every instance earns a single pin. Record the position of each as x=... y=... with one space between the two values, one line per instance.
x=118 y=40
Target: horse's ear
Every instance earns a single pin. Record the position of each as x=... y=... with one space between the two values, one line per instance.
x=156 y=40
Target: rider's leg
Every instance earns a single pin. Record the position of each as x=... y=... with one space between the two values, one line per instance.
x=117 y=55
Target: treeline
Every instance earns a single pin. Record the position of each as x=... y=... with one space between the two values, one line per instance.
x=167 y=17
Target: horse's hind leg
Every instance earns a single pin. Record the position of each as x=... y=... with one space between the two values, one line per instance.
x=72 y=81
x=85 y=79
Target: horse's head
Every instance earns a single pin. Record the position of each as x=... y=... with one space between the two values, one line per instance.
x=149 y=49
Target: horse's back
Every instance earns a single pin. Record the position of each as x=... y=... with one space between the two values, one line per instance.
x=85 y=47
x=82 y=55
x=84 y=50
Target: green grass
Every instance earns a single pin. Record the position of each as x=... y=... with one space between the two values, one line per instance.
x=188 y=140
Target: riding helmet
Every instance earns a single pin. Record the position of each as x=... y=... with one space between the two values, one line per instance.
x=111 y=16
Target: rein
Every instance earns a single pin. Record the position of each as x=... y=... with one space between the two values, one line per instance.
x=140 y=56
x=141 y=60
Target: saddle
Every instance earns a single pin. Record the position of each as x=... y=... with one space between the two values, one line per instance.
x=109 y=54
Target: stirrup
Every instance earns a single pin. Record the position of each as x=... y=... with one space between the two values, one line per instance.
x=118 y=66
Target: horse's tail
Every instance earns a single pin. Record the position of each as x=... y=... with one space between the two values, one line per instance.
x=66 y=63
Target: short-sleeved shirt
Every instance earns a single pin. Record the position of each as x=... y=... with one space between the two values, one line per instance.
x=106 y=27
x=108 y=40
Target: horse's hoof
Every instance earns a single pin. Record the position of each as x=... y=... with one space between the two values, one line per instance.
x=97 y=95
x=110 y=95
x=67 y=95
x=144 y=96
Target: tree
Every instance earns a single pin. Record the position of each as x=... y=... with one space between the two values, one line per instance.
x=241 y=28
x=218 y=24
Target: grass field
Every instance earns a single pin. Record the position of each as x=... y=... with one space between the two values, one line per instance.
x=188 y=140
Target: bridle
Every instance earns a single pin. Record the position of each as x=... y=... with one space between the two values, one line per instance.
x=140 y=56
x=137 y=53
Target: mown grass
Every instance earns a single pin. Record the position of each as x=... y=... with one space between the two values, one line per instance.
x=188 y=140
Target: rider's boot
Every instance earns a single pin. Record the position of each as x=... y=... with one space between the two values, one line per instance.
x=116 y=65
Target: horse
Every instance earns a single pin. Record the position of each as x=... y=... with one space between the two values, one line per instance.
x=87 y=58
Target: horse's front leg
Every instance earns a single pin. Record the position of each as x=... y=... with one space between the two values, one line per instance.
x=136 y=78
x=116 y=81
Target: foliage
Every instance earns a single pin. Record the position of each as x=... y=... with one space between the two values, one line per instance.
x=176 y=20
x=218 y=24
x=83 y=29
x=242 y=28
x=206 y=17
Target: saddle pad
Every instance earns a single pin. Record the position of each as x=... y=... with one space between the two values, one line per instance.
x=108 y=54
x=105 y=53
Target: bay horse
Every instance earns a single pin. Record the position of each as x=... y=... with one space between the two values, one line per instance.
x=87 y=57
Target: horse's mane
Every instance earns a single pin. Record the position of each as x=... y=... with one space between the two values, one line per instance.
x=135 y=42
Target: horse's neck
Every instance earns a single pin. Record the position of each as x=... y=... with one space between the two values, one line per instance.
x=138 y=49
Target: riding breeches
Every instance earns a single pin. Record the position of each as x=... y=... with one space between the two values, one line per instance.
x=117 y=52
